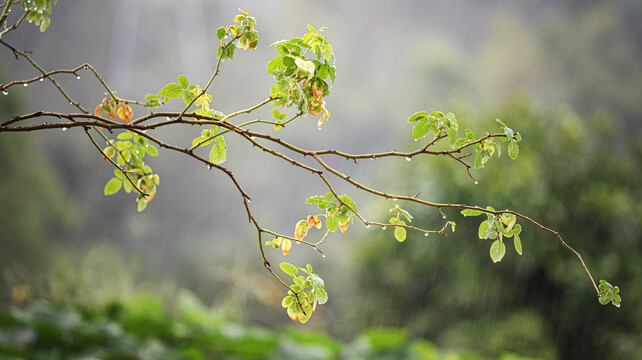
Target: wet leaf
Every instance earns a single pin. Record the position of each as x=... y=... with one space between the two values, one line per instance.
x=400 y=234
x=288 y=269
x=286 y=246
x=125 y=112
x=314 y=221
x=609 y=293
x=301 y=230
x=332 y=223
x=112 y=186
x=497 y=251
x=471 y=212
x=344 y=227
x=518 y=244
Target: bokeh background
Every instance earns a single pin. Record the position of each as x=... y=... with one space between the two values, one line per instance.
x=566 y=74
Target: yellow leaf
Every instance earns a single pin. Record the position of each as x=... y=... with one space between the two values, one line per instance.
x=125 y=112
x=286 y=246
x=314 y=221
x=301 y=230
x=98 y=110
x=317 y=92
x=324 y=118
x=295 y=313
x=344 y=227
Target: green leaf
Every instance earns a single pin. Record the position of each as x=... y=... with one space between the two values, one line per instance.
x=188 y=96
x=172 y=91
x=400 y=234
x=125 y=135
x=470 y=135
x=609 y=293
x=276 y=114
x=288 y=269
x=110 y=151
x=142 y=205
x=220 y=33
x=218 y=152
x=322 y=296
x=328 y=196
x=483 y=229
x=509 y=133
x=151 y=150
x=332 y=223
x=317 y=282
x=478 y=161
x=45 y=23
x=313 y=199
x=471 y=212
x=513 y=150
x=421 y=115
x=497 y=251
x=420 y=130
x=518 y=244
x=517 y=229
x=119 y=174
x=182 y=81
x=112 y=186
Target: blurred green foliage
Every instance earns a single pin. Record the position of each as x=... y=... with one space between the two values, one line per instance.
x=143 y=328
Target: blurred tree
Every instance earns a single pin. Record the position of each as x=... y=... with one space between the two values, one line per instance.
x=31 y=214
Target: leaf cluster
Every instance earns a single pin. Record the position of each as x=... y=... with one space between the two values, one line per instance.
x=38 y=12
x=133 y=173
x=301 y=70
x=496 y=227
x=304 y=293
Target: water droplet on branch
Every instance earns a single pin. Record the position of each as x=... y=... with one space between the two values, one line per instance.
x=78 y=77
x=444 y=216
x=64 y=129
x=42 y=79
x=408 y=158
x=426 y=234
x=5 y=92
x=383 y=228
x=476 y=182
x=367 y=225
x=25 y=84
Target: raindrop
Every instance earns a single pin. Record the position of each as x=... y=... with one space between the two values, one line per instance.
x=209 y=167
x=383 y=228
x=249 y=200
x=416 y=139
x=25 y=84
x=324 y=256
x=71 y=103
x=444 y=216
x=144 y=131
x=5 y=92
x=78 y=77
x=426 y=234
x=394 y=199
x=408 y=158
x=367 y=225
x=476 y=182
x=252 y=137
x=42 y=79
x=168 y=118
x=86 y=67
x=64 y=129
x=373 y=157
